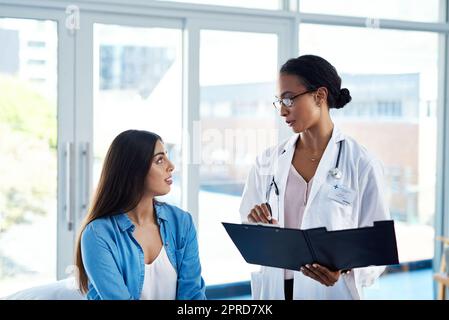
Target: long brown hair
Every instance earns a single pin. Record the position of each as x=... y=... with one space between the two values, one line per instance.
x=121 y=184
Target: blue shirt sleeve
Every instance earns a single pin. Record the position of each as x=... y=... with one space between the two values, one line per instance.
x=191 y=285
x=101 y=268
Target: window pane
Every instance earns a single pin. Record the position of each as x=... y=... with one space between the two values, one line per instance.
x=414 y=10
x=138 y=85
x=28 y=157
x=237 y=124
x=255 y=4
x=393 y=80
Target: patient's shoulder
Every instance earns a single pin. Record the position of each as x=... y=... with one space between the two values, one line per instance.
x=104 y=227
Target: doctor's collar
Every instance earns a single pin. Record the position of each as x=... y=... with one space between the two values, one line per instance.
x=336 y=136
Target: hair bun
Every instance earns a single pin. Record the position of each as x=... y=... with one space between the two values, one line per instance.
x=343 y=99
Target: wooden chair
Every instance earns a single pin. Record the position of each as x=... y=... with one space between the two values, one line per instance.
x=442 y=278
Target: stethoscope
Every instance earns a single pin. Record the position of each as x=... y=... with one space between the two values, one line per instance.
x=335 y=173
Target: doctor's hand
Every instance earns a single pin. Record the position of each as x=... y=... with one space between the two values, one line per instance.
x=322 y=274
x=261 y=213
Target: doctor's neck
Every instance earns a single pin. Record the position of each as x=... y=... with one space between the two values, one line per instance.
x=317 y=137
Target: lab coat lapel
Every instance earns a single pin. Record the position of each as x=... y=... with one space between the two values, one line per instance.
x=327 y=162
x=282 y=168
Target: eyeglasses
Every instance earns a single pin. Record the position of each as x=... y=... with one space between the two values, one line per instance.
x=288 y=102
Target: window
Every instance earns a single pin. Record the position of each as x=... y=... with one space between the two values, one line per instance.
x=28 y=156
x=237 y=123
x=414 y=10
x=255 y=4
x=138 y=85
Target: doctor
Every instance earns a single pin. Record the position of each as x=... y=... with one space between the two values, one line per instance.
x=317 y=178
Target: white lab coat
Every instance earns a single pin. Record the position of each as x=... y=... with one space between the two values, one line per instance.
x=360 y=171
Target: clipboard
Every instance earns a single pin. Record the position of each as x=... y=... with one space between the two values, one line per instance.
x=337 y=250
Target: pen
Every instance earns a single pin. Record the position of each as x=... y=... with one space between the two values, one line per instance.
x=269 y=209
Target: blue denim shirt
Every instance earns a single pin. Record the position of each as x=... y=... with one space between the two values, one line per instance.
x=114 y=260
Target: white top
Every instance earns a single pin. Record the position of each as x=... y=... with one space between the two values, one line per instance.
x=160 y=279
x=296 y=194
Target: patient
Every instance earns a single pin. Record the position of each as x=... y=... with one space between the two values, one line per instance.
x=130 y=245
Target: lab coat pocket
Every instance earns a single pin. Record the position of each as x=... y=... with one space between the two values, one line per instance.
x=342 y=215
